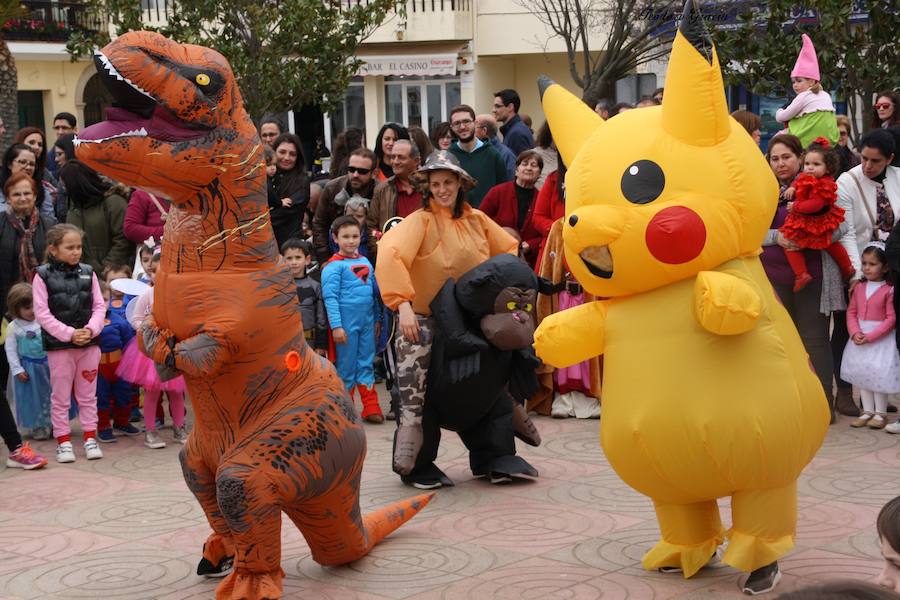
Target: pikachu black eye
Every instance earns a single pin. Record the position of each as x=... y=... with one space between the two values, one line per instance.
x=642 y=182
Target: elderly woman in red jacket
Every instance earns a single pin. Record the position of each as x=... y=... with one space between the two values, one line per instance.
x=511 y=204
x=145 y=217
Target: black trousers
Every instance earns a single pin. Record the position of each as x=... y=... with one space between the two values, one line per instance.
x=812 y=325
x=8 y=429
x=839 y=338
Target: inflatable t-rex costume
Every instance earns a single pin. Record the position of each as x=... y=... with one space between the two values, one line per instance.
x=275 y=430
x=707 y=389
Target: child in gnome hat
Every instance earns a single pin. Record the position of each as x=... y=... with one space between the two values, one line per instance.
x=811 y=114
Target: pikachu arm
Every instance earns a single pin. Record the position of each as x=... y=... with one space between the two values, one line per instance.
x=725 y=304
x=571 y=336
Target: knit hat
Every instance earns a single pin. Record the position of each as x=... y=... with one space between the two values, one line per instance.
x=807 y=64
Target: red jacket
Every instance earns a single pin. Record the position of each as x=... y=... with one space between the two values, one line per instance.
x=142 y=217
x=501 y=205
x=548 y=209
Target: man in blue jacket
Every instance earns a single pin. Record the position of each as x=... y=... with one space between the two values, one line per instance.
x=516 y=134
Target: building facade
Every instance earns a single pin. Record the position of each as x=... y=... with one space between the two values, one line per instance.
x=443 y=53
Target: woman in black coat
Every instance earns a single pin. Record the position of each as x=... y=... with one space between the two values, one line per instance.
x=288 y=188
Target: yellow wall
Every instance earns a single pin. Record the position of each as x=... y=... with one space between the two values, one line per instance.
x=62 y=83
x=520 y=72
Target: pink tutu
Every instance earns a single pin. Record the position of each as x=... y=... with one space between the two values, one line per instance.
x=137 y=368
x=578 y=376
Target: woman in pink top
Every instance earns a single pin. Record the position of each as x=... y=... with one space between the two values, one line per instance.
x=145 y=217
x=871 y=361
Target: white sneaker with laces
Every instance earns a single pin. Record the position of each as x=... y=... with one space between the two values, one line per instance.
x=65 y=453
x=92 y=449
x=893 y=427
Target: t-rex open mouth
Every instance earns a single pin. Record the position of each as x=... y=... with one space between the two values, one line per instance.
x=135 y=113
x=598 y=261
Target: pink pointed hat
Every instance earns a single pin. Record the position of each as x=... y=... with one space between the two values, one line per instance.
x=807 y=64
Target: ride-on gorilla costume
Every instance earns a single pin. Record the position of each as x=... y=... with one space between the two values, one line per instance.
x=482 y=371
x=274 y=429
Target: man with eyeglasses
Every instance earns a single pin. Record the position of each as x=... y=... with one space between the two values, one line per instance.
x=359 y=181
x=486 y=130
x=516 y=135
x=64 y=123
x=269 y=129
x=479 y=159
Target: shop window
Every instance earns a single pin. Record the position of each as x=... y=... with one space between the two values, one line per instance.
x=420 y=101
x=351 y=113
x=634 y=87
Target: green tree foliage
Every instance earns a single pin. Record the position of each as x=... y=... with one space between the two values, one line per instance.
x=284 y=53
x=857 y=57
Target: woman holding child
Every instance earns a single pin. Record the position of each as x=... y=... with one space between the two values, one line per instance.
x=444 y=239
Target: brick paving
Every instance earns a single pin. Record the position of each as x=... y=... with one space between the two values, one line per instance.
x=127 y=527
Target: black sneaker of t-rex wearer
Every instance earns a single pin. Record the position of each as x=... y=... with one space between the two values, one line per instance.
x=762 y=580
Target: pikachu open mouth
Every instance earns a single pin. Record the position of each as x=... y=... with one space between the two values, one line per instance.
x=598 y=260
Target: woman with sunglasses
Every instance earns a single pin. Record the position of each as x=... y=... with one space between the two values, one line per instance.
x=886 y=111
x=21 y=158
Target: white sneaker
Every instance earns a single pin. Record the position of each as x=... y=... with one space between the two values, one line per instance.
x=893 y=427
x=92 y=449
x=152 y=440
x=65 y=453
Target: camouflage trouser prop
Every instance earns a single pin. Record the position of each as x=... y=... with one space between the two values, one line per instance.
x=413 y=360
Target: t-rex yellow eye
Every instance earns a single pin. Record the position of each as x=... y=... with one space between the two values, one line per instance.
x=202 y=79
x=511 y=306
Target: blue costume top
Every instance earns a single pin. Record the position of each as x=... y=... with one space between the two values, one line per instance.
x=352 y=302
x=116 y=332
x=350 y=293
x=118 y=306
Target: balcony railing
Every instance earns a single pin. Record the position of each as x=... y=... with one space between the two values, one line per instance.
x=52 y=21
x=420 y=6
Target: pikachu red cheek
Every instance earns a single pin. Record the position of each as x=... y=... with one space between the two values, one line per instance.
x=676 y=235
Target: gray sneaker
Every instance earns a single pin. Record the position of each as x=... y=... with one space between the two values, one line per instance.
x=181 y=434
x=152 y=440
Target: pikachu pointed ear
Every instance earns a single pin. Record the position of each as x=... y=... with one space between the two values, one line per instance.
x=694 y=107
x=571 y=120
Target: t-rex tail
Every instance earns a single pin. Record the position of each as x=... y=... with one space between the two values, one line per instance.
x=382 y=522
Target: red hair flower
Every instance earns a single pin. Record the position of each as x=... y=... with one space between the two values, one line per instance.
x=822 y=142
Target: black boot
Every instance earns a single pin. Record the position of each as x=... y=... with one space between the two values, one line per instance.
x=845 y=404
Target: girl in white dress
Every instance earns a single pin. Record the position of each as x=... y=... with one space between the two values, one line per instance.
x=871 y=361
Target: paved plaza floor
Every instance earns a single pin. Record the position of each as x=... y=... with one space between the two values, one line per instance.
x=126 y=527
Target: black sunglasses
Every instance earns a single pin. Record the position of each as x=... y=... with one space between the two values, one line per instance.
x=359 y=170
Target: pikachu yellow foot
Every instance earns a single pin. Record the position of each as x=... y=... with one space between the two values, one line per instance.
x=671 y=557
x=748 y=552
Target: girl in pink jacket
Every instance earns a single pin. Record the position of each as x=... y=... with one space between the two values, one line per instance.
x=70 y=309
x=871 y=361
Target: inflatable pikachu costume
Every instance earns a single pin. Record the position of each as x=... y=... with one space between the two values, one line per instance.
x=708 y=391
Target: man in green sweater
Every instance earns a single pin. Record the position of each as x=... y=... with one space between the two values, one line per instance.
x=480 y=160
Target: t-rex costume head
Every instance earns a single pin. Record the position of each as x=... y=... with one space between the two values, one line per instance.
x=275 y=430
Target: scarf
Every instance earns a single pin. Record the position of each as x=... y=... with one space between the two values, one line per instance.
x=27 y=260
x=884 y=219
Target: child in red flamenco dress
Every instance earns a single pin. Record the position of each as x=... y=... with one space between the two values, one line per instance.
x=813 y=216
